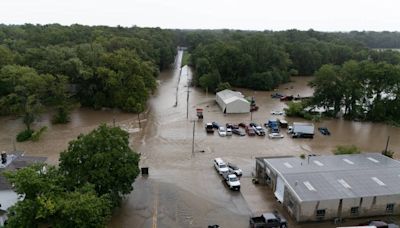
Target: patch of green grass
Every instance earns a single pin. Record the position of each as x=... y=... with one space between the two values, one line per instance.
x=346 y=150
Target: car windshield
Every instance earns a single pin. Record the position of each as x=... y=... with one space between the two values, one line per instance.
x=232 y=179
x=221 y=129
x=222 y=166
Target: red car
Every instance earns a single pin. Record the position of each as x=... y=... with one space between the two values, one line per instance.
x=250 y=131
x=243 y=125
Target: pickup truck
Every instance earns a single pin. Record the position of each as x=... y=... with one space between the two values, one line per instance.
x=232 y=181
x=268 y=220
x=258 y=129
x=209 y=128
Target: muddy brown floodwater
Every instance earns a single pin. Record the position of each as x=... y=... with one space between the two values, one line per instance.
x=183 y=189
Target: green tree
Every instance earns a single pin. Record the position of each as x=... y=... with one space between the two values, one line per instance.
x=328 y=88
x=102 y=158
x=46 y=201
x=6 y=56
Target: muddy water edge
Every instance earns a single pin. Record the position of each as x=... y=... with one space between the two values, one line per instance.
x=183 y=189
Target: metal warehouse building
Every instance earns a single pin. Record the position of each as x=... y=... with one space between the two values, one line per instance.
x=232 y=102
x=335 y=186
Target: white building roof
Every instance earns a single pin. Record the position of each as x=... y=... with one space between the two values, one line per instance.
x=338 y=176
x=229 y=96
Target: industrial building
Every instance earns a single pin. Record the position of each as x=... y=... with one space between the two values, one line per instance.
x=232 y=102
x=333 y=187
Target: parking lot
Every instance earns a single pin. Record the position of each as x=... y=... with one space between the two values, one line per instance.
x=184 y=190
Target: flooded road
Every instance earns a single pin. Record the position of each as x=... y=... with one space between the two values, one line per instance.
x=183 y=189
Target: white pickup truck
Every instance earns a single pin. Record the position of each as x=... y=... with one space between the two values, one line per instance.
x=232 y=181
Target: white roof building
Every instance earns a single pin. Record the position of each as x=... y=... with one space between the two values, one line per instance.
x=232 y=102
x=334 y=186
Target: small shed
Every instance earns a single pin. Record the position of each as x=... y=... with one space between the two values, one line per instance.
x=232 y=102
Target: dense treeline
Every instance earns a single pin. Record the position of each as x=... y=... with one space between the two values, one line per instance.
x=49 y=65
x=375 y=39
x=263 y=60
x=360 y=90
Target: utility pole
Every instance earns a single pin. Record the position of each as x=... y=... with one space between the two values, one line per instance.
x=187 y=103
x=187 y=97
x=138 y=116
x=387 y=144
x=251 y=115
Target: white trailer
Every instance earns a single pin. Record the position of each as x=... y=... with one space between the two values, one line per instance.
x=302 y=130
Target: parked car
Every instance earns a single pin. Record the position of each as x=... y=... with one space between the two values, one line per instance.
x=287 y=98
x=215 y=125
x=250 y=131
x=234 y=169
x=231 y=180
x=243 y=125
x=275 y=136
x=220 y=166
x=277 y=113
x=258 y=129
x=232 y=126
x=228 y=131
x=268 y=220
x=276 y=95
x=324 y=131
x=238 y=132
x=209 y=128
x=379 y=224
x=221 y=131
x=283 y=123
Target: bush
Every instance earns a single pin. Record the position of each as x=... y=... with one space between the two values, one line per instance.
x=24 y=135
x=295 y=109
x=62 y=116
x=346 y=150
x=36 y=135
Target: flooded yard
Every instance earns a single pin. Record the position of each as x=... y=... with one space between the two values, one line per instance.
x=183 y=189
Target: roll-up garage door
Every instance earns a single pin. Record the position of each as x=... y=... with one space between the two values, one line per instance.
x=280 y=189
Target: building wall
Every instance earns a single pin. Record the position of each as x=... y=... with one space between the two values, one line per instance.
x=238 y=106
x=220 y=102
x=367 y=207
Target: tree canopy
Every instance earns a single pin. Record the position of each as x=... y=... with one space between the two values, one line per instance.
x=98 y=66
x=93 y=175
x=102 y=158
x=263 y=60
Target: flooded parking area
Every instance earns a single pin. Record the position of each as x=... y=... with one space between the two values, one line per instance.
x=183 y=189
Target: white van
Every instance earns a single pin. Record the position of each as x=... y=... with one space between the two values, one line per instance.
x=220 y=166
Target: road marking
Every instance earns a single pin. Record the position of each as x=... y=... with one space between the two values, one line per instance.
x=155 y=209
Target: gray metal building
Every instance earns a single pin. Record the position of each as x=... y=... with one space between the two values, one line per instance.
x=333 y=186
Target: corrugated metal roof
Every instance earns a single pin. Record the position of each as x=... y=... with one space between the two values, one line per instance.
x=229 y=96
x=339 y=176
